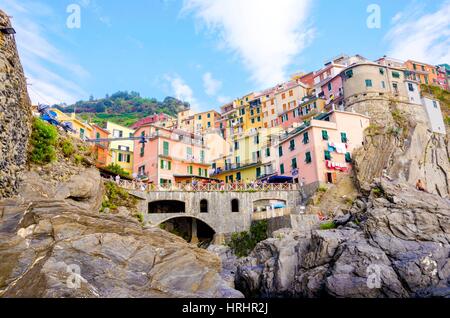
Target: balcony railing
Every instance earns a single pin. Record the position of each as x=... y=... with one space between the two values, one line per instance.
x=234 y=166
x=208 y=187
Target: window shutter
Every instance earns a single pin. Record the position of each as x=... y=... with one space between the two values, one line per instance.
x=327 y=155
x=324 y=135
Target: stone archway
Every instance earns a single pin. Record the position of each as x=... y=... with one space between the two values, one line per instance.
x=166 y=206
x=192 y=229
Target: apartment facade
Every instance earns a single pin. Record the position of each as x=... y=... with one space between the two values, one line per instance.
x=169 y=154
x=422 y=72
x=320 y=151
x=306 y=108
x=122 y=152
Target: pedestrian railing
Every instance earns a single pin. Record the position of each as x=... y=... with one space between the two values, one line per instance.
x=269 y=214
x=207 y=187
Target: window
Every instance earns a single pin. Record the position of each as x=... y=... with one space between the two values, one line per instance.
x=395 y=86
x=368 y=83
x=200 y=117
x=235 y=206
x=344 y=137
x=203 y=206
x=292 y=144
x=435 y=104
x=308 y=158
x=209 y=124
x=236 y=145
x=349 y=73
x=329 y=87
x=348 y=157
x=142 y=150
x=141 y=171
x=209 y=115
x=238 y=160
x=166 y=148
x=294 y=163
x=189 y=153
x=258 y=119
x=97 y=135
x=395 y=74
x=327 y=155
x=82 y=133
x=291 y=93
x=415 y=66
x=258 y=172
x=282 y=169
x=280 y=151
x=190 y=170
x=117 y=133
x=256 y=139
x=120 y=157
x=325 y=135
x=383 y=85
x=423 y=68
x=283 y=96
x=253 y=120
x=202 y=156
x=166 y=165
x=305 y=138
x=252 y=112
x=238 y=176
x=382 y=71
x=267 y=152
x=273 y=111
x=200 y=172
x=410 y=87
x=426 y=79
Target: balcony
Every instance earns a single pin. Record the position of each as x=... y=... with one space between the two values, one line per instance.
x=235 y=166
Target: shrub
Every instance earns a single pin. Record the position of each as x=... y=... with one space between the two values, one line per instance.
x=116 y=169
x=67 y=148
x=140 y=217
x=78 y=159
x=43 y=140
x=244 y=242
x=378 y=192
x=322 y=188
x=328 y=226
x=118 y=197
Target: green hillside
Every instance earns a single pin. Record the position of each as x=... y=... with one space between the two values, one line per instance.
x=124 y=108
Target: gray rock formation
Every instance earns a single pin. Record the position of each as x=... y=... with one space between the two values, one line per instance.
x=53 y=237
x=15 y=113
x=401 y=250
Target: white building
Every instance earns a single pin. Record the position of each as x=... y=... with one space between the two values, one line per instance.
x=412 y=88
x=433 y=109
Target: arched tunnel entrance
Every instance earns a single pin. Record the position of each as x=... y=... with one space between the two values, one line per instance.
x=191 y=229
x=166 y=206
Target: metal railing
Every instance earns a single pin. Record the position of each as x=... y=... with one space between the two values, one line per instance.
x=207 y=187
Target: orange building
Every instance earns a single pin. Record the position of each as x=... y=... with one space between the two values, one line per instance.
x=101 y=149
x=422 y=72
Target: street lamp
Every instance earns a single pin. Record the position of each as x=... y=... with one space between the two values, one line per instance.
x=8 y=31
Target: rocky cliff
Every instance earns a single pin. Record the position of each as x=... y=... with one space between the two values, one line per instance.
x=393 y=243
x=15 y=113
x=399 y=141
x=55 y=243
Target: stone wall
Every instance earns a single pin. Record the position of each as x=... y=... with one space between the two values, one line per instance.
x=15 y=113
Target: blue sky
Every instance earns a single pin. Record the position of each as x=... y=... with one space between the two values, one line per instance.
x=208 y=52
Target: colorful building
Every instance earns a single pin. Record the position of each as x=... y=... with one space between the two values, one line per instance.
x=206 y=121
x=443 y=76
x=320 y=151
x=169 y=154
x=422 y=72
x=306 y=108
x=83 y=129
x=121 y=150
x=101 y=148
x=162 y=120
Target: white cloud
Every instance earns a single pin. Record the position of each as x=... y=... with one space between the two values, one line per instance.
x=182 y=91
x=41 y=60
x=265 y=34
x=224 y=99
x=211 y=85
x=422 y=37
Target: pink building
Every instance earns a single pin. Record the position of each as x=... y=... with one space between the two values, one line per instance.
x=169 y=154
x=333 y=91
x=157 y=118
x=319 y=152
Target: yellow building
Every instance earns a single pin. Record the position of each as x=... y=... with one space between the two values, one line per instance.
x=83 y=129
x=205 y=121
x=252 y=156
x=121 y=151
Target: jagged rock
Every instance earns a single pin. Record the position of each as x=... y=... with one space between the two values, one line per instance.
x=342 y=220
x=401 y=250
x=45 y=241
